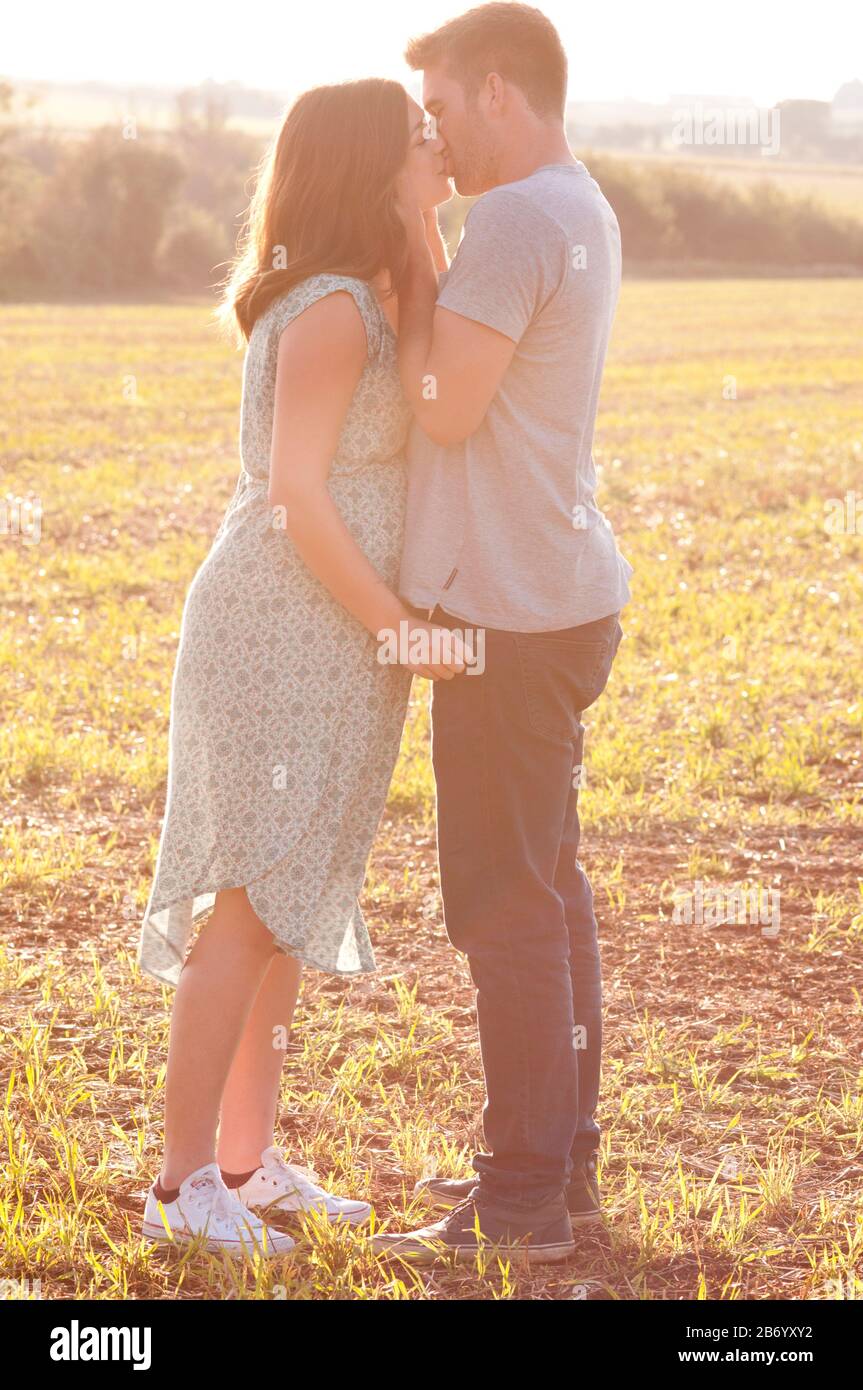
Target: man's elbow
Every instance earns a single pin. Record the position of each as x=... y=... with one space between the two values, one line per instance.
x=445 y=430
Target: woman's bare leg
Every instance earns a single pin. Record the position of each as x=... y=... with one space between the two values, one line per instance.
x=251 y=1093
x=215 y=995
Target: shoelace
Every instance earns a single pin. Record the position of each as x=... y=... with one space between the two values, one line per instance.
x=303 y=1185
x=460 y=1206
x=224 y=1204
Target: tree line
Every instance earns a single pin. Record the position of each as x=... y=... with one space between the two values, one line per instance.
x=126 y=209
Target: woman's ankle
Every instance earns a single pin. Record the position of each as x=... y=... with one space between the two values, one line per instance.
x=240 y=1160
x=175 y=1171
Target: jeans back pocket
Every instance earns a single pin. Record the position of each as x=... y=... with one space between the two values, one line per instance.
x=562 y=676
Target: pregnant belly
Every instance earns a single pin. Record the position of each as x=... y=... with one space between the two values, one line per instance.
x=254 y=561
x=373 y=505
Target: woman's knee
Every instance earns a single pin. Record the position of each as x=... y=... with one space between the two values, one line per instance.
x=236 y=915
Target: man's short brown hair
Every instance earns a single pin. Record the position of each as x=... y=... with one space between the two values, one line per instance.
x=517 y=41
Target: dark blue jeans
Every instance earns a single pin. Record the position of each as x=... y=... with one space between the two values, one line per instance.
x=507 y=747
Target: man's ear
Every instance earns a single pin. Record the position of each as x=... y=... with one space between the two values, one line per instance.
x=496 y=93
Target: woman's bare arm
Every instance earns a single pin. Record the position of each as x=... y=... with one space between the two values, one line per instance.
x=321 y=358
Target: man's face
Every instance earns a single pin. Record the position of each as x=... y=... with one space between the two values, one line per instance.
x=466 y=134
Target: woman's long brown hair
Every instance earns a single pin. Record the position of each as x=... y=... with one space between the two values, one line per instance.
x=325 y=199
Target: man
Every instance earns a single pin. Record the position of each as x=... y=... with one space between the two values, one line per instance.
x=503 y=373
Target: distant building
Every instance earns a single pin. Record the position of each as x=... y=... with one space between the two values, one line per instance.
x=846 y=109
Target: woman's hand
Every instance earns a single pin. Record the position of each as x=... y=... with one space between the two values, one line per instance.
x=429 y=650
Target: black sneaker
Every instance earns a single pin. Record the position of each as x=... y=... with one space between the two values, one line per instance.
x=582 y=1193
x=542 y=1235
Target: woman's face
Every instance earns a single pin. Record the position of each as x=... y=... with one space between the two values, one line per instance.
x=426 y=160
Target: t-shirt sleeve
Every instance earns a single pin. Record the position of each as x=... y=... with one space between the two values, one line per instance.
x=510 y=260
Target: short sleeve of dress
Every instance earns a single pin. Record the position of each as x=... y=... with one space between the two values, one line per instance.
x=308 y=292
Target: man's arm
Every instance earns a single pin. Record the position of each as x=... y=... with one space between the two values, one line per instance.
x=450 y=366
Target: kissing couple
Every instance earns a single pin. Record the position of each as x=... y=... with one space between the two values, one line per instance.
x=416 y=463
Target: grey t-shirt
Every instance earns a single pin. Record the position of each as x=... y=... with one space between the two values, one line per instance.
x=502 y=528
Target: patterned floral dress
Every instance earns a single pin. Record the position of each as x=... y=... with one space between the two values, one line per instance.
x=285 y=728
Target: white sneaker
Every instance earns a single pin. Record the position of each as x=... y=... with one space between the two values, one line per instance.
x=277 y=1184
x=206 y=1206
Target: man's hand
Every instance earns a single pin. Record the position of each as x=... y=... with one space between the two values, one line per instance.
x=434 y=240
x=411 y=214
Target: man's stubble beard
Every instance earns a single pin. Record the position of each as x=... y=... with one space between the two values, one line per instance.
x=476 y=172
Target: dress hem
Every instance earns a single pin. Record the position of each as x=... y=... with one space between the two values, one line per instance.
x=165 y=977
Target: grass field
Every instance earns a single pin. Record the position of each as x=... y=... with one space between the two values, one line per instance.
x=726 y=751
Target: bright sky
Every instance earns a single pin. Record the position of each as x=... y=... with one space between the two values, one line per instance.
x=643 y=49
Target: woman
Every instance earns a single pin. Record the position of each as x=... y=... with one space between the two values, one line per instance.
x=285 y=726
